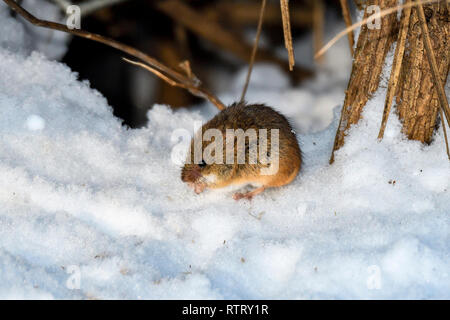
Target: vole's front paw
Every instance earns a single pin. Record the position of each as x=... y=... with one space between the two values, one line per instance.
x=199 y=188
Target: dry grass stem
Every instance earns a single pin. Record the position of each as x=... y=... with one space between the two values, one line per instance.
x=396 y=66
x=196 y=90
x=356 y=25
x=287 y=32
x=318 y=25
x=444 y=108
x=348 y=22
x=255 y=49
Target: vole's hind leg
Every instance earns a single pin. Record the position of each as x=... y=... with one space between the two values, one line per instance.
x=248 y=195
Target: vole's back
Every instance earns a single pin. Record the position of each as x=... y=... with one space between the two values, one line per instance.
x=256 y=116
x=242 y=116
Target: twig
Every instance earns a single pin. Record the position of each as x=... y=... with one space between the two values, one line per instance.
x=444 y=108
x=192 y=84
x=254 y=50
x=356 y=25
x=318 y=25
x=287 y=32
x=336 y=141
x=396 y=66
x=348 y=22
x=445 y=133
x=200 y=92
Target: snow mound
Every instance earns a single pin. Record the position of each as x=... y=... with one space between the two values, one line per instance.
x=90 y=209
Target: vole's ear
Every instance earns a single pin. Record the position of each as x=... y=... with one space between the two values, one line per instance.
x=238 y=103
x=202 y=164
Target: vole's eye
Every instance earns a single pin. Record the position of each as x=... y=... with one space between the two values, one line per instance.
x=202 y=164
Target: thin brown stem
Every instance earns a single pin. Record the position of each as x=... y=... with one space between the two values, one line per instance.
x=193 y=85
x=444 y=108
x=433 y=64
x=287 y=32
x=212 y=31
x=396 y=66
x=445 y=133
x=318 y=25
x=356 y=25
x=254 y=50
x=348 y=22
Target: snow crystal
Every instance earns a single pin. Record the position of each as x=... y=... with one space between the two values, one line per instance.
x=34 y=122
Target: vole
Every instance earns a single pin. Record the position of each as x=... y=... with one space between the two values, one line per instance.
x=277 y=165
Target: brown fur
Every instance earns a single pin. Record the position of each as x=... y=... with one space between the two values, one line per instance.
x=242 y=116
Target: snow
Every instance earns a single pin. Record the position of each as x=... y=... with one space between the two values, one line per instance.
x=90 y=209
x=34 y=122
x=51 y=43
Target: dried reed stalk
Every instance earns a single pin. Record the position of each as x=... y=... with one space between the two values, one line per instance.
x=396 y=66
x=287 y=32
x=444 y=108
x=356 y=25
x=254 y=50
x=318 y=25
x=348 y=22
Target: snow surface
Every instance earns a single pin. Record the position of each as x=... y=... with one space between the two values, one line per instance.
x=90 y=209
